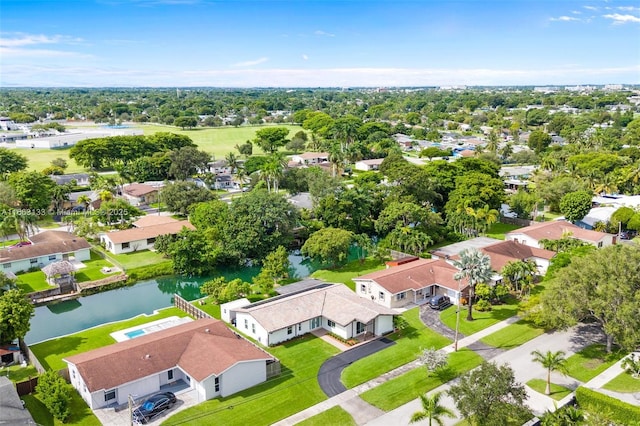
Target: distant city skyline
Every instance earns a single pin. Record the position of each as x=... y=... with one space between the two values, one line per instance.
x=331 y=43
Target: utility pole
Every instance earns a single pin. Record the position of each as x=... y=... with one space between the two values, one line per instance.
x=455 y=344
x=130 y=401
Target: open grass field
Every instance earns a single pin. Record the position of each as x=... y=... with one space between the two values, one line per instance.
x=335 y=416
x=412 y=384
x=624 y=383
x=294 y=390
x=40 y=158
x=481 y=320
x=346 y=273
x=414 y=338
x=513 y=335
x=79 y=412
x=557 y=392
x=51 y=352
x=591 y=361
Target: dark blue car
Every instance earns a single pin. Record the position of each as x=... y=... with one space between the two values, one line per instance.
x=153 y=406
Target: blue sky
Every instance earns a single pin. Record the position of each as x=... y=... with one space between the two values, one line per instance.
x=298 y=43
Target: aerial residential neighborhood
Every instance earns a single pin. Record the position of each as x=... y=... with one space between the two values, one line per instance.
x=320 y=213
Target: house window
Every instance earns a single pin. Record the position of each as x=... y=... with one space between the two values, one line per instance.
x=73 y=374
x=600 y=244
x=314 y=323
x=400 y=296
x=363 y=288
x=52 y=257
x=125 y=246
x=246 y=324
x=188 y=379
x=170 y=375
x=381 y=296
x=216 y=383
x=33 y=261
x=109 y=395
x=6 y=266
x=151 y=240
x=360 y=327
x=289 y=330
x=331 y=323
x=253 y=328
x=300 y=327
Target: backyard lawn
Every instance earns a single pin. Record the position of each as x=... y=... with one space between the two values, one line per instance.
x=294 y=390
x=51 y=352
x=209 y=307
x=79 y=412
x=557 y=392
x=346 y=273
x=137 y=258
x=17 y=373
x=481 y=320
x=591 y=361
x=624 y=383
x=33 y=281
x=498 y=230
x=93 y=269
x=513 y=335
x=409 y=386
x=410 y=342
x=335 y=416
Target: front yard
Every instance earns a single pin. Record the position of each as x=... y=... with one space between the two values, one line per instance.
x=481 y=320
x=557 y=392
x=513 y=335
x=591 y=361
x=80 y=413
x=624 y=383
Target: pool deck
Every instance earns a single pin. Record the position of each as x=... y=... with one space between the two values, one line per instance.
x=150 y=327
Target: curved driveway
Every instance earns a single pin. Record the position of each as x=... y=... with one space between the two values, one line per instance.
x=330 y=371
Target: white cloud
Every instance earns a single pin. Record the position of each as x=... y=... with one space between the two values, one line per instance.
x=564 y=19
x=20 y=39
x=622 y=19
x=323 y=33
x=591 y=8
x=629 y=8
x=251 y=63
x=576 y=12
x=305 y=57
x=39 y=53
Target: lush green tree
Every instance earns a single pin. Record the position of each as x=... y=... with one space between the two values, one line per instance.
x=621 y=217
x=491 y=396
x=116 y=212
x=519 y=274
x=11 y=162
x=523 y=203
x=193 y=253
x=432 y=410
x=186 y=122
x=408 y=240
x=275 y=265
x=270 y=139
x=55 y=393
x=15 y=313
x=539 y=140
x=552 y=361
x=222 y=291
x=245 y=149
x=165 y=141
x=552 y=190
x=348 y=209
x=364 y=244
x=33 y=191
x=631 y=364
x=6 y=283
x=329 y=245
x=574 y=206
x=604 y=286
x=179 y=196
x=433 y=151
x=209 y=214
x=187 y=161
x=475 y=267
x=155 y=167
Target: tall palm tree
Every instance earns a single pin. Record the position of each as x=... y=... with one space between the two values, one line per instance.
x=431 y=410
x=85 y=200
x=232 y=162
x=336 y=156
x=475 y=266
x=552 y=361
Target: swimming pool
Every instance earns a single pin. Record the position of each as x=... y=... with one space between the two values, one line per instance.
x=134 y=333
x=148 y=328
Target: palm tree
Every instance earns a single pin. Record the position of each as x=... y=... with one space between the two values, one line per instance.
x=336 y=156
x=431 y=410
x=552 y=361
x=475 y=266
x=85 y=200
x=232 y=162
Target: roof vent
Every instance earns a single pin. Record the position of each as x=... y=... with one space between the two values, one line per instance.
x=206 y=330
x=147 y=356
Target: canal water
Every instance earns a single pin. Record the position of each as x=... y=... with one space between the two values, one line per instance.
x=71 y=316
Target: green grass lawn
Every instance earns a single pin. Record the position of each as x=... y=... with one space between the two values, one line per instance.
x=138 y=258
x=209 y=307
x=335 y=416
x=6 y=243
x=40 y=158
x=33 y=281
x=348 y=272
x=79 y=412
x=498 y=230
x=51 y=352
x=481 y=320
x=294 y=390
x=93 y=269
x=624 y=383
x=16 y=373
x=410 y=342
x=411 y=385
x=513 y=335
x=557 y=392
x=591 y=361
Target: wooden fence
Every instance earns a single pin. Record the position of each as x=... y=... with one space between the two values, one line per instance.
x=516 y=221
x=189 y=308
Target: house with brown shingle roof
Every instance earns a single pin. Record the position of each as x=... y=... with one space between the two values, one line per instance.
x=412 y=282
x=140 y=193
x=142 y=237
x=205 y=354
x=45 y=248
x=556 y=230
x=331 y=306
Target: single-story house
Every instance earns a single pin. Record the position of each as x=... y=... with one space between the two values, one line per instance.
x=81 y=179
x=140 y=193
x=140 y=238
x=152 y=220
x=204 y=353
x=219 y=167
x=412 y=282
x=46 y=247
x=368 y=165
x=333 y=307
x=595 y=215
x=556 y=230
x=225 y=182
x=12 y=411
x=310 y=158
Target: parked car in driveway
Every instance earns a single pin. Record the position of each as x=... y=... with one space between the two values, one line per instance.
x=153 y=406
x=439 y=302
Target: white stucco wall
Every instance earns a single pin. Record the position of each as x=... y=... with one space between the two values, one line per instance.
x=523 y=239
x=249 y=326
x=384 y=324
x=23 y=265
x=241 y=376
x=373 y=291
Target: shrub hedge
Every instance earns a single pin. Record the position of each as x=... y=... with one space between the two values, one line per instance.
x=599 y=402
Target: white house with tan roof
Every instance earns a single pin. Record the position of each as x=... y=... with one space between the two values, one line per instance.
x=140 y=193
x=310 y=158
x=142 y=237
x=368 y=165
x=556 y=230
x=45 y=248
x=205 y=354
x=408 y=283
x=333 y=307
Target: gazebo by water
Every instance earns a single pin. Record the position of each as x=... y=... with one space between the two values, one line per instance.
x=61 y=274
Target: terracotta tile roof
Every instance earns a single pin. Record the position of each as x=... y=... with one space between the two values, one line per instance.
x=508 y=251
x=45 y=243
x=201 y=348
x=138 y=189
x=335 y=302
x=556 y=229
x=136 y=234
x=151 y=220
x=415 y=275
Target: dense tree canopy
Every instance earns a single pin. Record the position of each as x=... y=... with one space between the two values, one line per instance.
x=15 y=313
x=329 y=245
x=10 y=162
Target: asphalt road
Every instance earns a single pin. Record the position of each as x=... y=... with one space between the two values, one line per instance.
x=330 y=371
